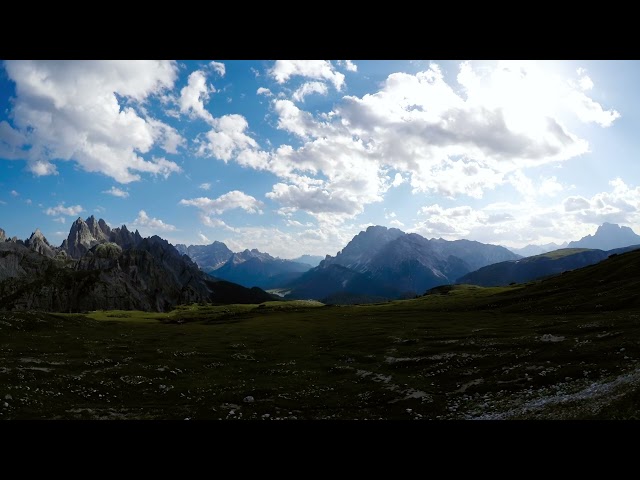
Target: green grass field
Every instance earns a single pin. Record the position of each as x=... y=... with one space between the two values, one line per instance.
x=461 y=354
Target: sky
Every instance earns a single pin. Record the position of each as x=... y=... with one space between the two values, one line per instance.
x=296 y=157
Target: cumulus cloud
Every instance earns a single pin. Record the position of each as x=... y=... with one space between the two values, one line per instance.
x=194 y=95
x=264 y=91
x=62 y=210
x=85 y=111
x=209 y=221
x=117 y=192
x=283 y=70
x=14 y=193
x=227 y=138
x=60 y=220
x=228 y=201
x=154 y=224
x=571 y=204
x=398 y=180
x=348 y=65
x=205 y=186
x=459 y=137
x=218 y=67
x=308 y=88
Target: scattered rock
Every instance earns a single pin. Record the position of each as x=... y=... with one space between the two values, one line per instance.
x=248 y=399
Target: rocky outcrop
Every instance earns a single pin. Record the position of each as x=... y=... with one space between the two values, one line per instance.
x=3 y=235
x=86 y=234
x=38 y=243
x=80 y=239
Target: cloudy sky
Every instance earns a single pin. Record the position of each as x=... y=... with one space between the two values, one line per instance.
x=295 y=157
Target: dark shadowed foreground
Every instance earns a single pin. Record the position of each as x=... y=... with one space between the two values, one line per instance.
x=564 y=348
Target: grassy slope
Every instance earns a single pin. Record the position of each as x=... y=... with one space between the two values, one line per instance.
x=470 y=353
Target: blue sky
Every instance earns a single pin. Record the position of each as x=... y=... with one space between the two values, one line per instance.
x=295 y=157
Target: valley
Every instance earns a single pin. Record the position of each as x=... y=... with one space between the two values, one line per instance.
x=554 y=349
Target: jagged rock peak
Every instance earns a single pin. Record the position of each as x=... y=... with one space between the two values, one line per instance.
x=37 y=235
x=3 y=235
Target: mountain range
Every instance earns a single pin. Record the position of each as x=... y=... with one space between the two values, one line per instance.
x=389 y=263
x=97 y=267
x=250 y=268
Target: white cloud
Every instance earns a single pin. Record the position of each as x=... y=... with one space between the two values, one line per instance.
x=203 y=238
x=451 y=138
x=60 y=220
x=550 y=187
x=205 y=186
x=194 y=95
x=117 y=192
x=62 y=210
x=283 y=70
x=571 y=204
x=264 y=91
x=28 y=201
x=153 y=224
x=309 y=88
x=227 y=138
x=396 y=223
x=348 y=65
x=85 y=111
x=398 y=180
x=228 y=201
x=218 y=67
x=2 y=202
x=214 y=222
x=14 y=193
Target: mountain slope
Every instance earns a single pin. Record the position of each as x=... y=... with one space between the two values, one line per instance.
x=611 y=284
x=538 y=266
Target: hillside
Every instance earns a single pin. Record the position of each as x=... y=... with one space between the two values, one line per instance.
x=538 y=266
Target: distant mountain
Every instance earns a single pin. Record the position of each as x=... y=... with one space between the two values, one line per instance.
x=538 y=266
x=252 y=268
x=389 y=263
x=531 y=250
x=312 y=260
x=208 y=257
x=608 y=236
x=101 y=268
